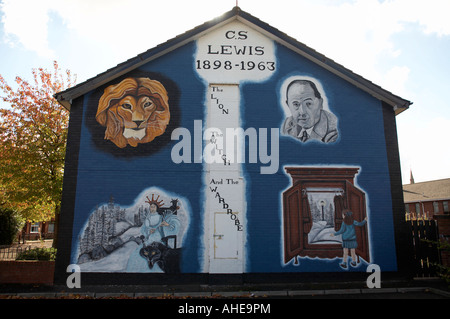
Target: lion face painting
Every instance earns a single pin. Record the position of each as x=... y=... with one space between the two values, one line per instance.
x=135 y=111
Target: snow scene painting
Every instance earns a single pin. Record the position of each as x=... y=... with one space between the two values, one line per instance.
x=144 y=237
x=321 y=203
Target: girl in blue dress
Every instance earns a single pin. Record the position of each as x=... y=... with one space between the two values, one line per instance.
x=349 y=237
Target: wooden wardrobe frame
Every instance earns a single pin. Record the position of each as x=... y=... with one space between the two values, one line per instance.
x=297 y=217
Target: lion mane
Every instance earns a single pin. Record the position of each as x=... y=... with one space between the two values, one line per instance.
x=134 y=111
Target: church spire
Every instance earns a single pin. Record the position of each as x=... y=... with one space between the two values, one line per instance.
x=411 y=178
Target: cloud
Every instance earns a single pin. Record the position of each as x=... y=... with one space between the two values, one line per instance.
x=359 y=34
x=422 y=149
x=432 y=15
x=396 y=78
x=26 y=22
x=134 y=26
x=142 y=24
x=353 y=33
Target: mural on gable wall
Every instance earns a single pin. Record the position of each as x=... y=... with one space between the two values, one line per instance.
x=316 y=214
x=144 y=237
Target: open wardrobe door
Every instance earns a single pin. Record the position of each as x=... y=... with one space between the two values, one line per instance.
x=356 y=202
x=292 y=241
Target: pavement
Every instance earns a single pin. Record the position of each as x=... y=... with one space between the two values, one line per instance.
x=378 y=293
x=418 y=288
x=412 y=289
x=268 y=300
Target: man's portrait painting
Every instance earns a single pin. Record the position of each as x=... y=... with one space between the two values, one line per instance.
x=308 y=117
x=134 y=111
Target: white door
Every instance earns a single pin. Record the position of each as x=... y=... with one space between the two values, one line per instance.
x=225 y=239
x=224 y=193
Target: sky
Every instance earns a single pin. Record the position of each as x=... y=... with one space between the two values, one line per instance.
x=401 y=45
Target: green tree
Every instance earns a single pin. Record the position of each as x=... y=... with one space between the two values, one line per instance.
x=33 y=134
x=10 y=224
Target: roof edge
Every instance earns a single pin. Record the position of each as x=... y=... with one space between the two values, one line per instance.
x=399 y=104
x=427 y=200
x=66 y=97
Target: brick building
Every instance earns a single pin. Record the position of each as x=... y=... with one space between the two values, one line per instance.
x=430 y=201
x=38 y=230
x=427 y=199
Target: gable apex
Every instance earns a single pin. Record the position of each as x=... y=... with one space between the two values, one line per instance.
x=236 y=14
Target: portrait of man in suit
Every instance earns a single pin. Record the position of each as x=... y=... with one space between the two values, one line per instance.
x=308 y=119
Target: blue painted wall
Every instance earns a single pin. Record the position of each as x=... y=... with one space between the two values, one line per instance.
x=104 y=172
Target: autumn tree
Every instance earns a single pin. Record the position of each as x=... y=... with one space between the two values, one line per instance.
x=33 y=133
